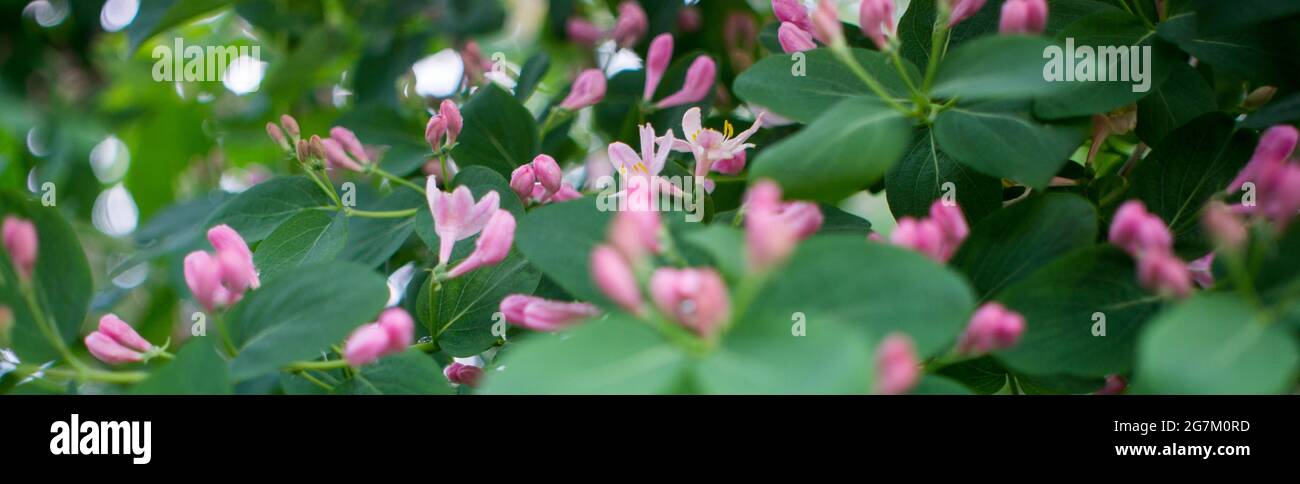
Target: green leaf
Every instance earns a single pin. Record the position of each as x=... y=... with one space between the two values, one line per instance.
x=1254 y=54
x=408 y=373
x=1062 y=304
x=997 y=67
x=259 y=210
x=803 y=86
x=530 y=75
x=153 y=17
x=499 y=133
x=1284 y=109
x=1216 y=16
x=765 y=356
x=459 y=314
x=981 y=375
x=481 y=180
x=1215 y=344
x=845 y=150
x=371 y=241
x=916 y=27
x=937 y=385
x=918 y=180
x=311 y=236
x=1180 y=99
x=296 y=318
x=1012 y=243
x=617 y=355
x=725 y=246
x=1188 y=167
x=876 y=288
x=558 y=239
x=61 y=279
x=1002 y=139
x=197 y=370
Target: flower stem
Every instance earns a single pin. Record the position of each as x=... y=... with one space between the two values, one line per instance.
x=381 y=213
x=842 y=52
x=299 y=366
x=399 y=180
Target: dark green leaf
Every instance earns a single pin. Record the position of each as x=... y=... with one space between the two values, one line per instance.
x=197 y=370
x=459 y=313
x=997 y=67
x=1012 y=243
x=308 y=237
x=1003 y=139
x=408 y=373
x=802 y=87
x=918 y=180
x=1180 y=99
x=558 y=239
x=259 y=210
x=499 y=133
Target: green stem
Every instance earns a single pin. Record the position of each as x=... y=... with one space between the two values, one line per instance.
x=49 y=331
x=299 y=366
x=845 y=56
x=381 y=213
x=917 y=96
x=229 y=344
x=397 y=179
x=938 y=39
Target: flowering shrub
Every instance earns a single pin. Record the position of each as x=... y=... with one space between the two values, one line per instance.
x=928 y=196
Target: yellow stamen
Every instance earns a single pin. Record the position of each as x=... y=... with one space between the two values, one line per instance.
x=727 y=129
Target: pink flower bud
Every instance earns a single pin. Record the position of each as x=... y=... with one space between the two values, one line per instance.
x=731 y=166
x=992 y=328
x=203 y=276
x=276 y=135
x=689 y=20
x=582 y=32
x=523 y=181
x=614 y=278
x=235 y=258
x=635 y=233
x=1164 y=274
x=113 y=327
x=1202 y=270
x=1115 y=385
x=566 y=193
x=540 y=314
x=366 y=344
x=792 y=11
x=768 y=238
x=962 y=10
x=317 y=146
x=302 y=150
x=794 y=39
x=897 y=366
x=588 y=89
x=20 y=242
x=290 y=125
x=462 y=374
x=492 y=246
x=1023 y=17
x=953 y=224
x=450 y=112
x=656 y=63
x=548 y=173
x=1281 y=195
x=876 y=19
x=1137 y=231
x=108 y=350
x=696 y=298
x=400 y=328
x=826 y=25
x=336 y=157
x=924 y=236
x=632 y=23
x=349 y=141
x=1224 y=227
x=435 y=130
x=456 y=217
x=698 y=84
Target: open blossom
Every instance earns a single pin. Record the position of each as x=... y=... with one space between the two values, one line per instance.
x=897 y=366
x=463 y=374
x=392 y=333
x=456 y=216
x=697 y=86
x=1202 y=270
x=962 y=10
x=220 y=278
x=993 y=327
x=1275 y=179
x=794 y=39
x=793 y=12
x=937 y=236
x=1023 y=17
x=612 y=274
x=588 y=89
x=492 y=246
x=695 y=297
x=773 y=228
x=709 y=145
x=876 y=19
x=656 y=63
x=540 y=314
x=640 y=171
x=20 y=243
x=631 y=24
x=116 y=342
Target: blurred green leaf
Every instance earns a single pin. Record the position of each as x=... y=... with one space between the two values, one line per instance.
x=408 y=373
x=1012 y=243
x=1003 y=139
x=499 y=133
x=196 y=370
x=459 y=313
x=256 y=212
x=310 y=236
x=803 y=86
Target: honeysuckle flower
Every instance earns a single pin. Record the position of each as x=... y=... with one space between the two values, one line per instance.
x=565 y=193
x=631 y=24
x=695 y=297
x=689 y=20
x=1275 y=146
x=108 y=350
x=463 y=374
x=276 y=135
x=1202 y=270
x=635 y=234
x=1137 y=231
x=614 y=277
x=399 y=326
x=709 y=145
x=237 y=271
x=475 y=64
x=391 y=333
x=697 y=86
x=492 y=246
x=792 y=11
x=640 y=171
x=203 y=276
x=993 y=327
x=588 y=89
x=317 y=146
x=1164 y=274
x=922 y=235
x=540 y=314
x=794 y=39
x=116 y=329
x=897 y=366
x=826 y=25
x=456 y=216
x=336 y=156
x=952 y=222
x=523 y=181
x=290 y=126
x=1224 y=227
x=350 y=143
x=548 y=173
x=1023 y=17
x=581 y=31
x=656 y=63
x=1279 y=196
x=962 y=10
x=1114 y=385
x=876 y=19
x=21 y=243
x=731 y=166
x=773 y=228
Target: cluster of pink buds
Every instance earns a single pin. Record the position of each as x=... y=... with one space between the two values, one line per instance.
x=116 y=342
x=992 y=328
x=1275 y=179
x=443 y=128
x=457 y=217
x=960 y=10
x=392 y=333
x=292 y=142
x=540 y=314
x=1023 y=17
x=938 y=236
x=461 y=373
x=630 y=26
x=219 y=279
x=344 y=151
x=20 y=243
x=1146 y=237
x=897 y=366
x=542 y=181
x=773 y=228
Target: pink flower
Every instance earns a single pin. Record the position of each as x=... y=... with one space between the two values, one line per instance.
x=709 y=145
x=962 y=10
x=614 y=277
x=1165 y=274
x=203 y=276
x=1224 y=227
x=588 y=89
x=992 y=328
x=924 y=236
x=697 y=86
x=366 y=344
x=1274 y=147
x=794 y=39
x=540 y=314
x=582 y=32
x=108 y=350
x=897 y=366
x=113 y=327
x=639 y=170
x=773 y=228
x=1202 y=270
x=826 y=25
x=548 y=173
x=456 y=216
x=492 y=246
x=399 y=326
x=336 y=156
x=435 y=131
x=566 y=193
x=1137 y=231
x=730 y=166
x=656 y=62
x=876 y=19
x=1023 y=17
x=523 y=181
x=350 y=143
x=696 y=297
x=689 y=20
x=792 y=11
x=21 y=243
x=635 y=233
x=462 y=374
x=290 y=125
x=455 y=123
x=237 y=271
x=632 y=23
x=1115 y=385
x=276 y=135
x=953 y=224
